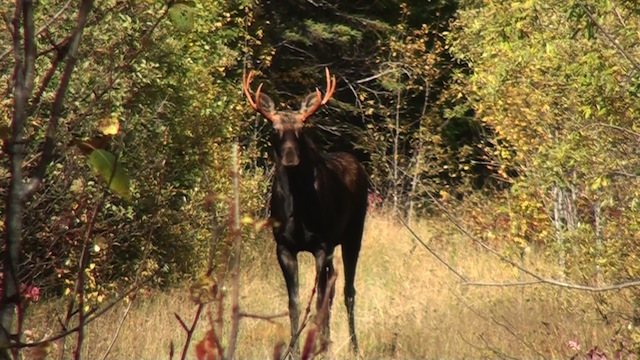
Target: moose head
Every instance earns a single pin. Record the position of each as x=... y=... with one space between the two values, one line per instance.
x=287 y=124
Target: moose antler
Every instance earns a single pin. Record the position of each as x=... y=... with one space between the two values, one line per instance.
x=255 y=103
x=331 y=87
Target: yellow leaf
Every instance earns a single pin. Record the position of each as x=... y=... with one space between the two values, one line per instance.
x=109 y=125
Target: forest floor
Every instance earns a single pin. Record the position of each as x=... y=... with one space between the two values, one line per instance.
x=408 y=306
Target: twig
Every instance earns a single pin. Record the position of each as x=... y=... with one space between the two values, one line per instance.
x=620 y=128
x=493 y=349
x=620 y=18
x=429 y=249
x=613 y=41
x=182 y=323
x=268 y=318
x=118 y=329
x=82 y=266
x=189 y=330
x=509 y=329
x=472 y=344
x=305 y=321
x=46 y=80
x=373 y=77
x=357 y=99
x=84 y=263
x=309 y=351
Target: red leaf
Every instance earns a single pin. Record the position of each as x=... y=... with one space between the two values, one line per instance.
x=206 y=348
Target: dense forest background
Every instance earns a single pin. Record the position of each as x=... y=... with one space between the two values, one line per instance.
x=519 y=119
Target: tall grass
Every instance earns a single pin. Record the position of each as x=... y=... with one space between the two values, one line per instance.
x=408 y=306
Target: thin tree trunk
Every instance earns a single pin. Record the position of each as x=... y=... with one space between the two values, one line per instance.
x=597 y=215
x=235 y=266
x=418 y=158
x=23 y=20
x=396 y=145
x=25 y=53
x=558 y=209
x=564 y=218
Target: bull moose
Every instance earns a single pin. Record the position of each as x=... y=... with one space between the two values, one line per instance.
x=318 y=201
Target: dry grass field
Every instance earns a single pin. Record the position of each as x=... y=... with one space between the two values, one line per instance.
x=408 y=306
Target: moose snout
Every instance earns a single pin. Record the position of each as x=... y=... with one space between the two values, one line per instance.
x=290 y=155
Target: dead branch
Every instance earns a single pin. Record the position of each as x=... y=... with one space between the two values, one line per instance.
x=538 y=278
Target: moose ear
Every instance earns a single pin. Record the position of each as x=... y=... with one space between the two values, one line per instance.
x=267 y=104
x=309 y=102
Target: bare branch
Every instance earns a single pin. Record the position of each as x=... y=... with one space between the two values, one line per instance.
x=118 y=329
x=84 y=263
x=190 y=330
x=613 y=41
x=370 y=78
x=56 y=111
x=509 y=329
x=620 y=128
x=539 y=278
x=45 y=82
x=429 y=249
x=182 y=323
x=268 y=318
x=620 y=286
x=30 y=46
x=305 y=321
x=44 y=27
x=620 y=18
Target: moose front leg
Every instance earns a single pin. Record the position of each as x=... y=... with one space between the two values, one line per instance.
x=326 y=288
x=289 y=264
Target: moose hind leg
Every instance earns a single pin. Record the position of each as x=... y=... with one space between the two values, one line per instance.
x=289 y=264
x=350 y=254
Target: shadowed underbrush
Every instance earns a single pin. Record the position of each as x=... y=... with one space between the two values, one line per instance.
x=408 y=305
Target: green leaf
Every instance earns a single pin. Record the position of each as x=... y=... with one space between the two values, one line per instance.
x=105 y=164
x=181 y=16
